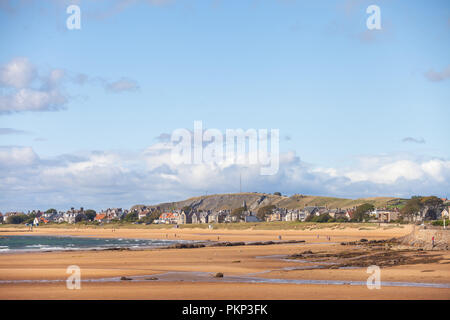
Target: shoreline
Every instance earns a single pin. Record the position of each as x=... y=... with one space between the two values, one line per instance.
x=235 y=262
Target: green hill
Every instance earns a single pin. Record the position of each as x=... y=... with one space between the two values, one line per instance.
x=257 y=200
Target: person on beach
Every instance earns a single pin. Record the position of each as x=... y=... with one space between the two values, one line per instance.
x=432 y=241
x=279 y=237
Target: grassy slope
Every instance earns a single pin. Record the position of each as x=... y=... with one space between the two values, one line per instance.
x=231 y=201
x=276 y=225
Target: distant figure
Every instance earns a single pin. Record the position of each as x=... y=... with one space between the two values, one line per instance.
x=432 y=241
x=167 y=235
x=175 y=235
x=317 y=236
x=279 y=237
x=218 y=238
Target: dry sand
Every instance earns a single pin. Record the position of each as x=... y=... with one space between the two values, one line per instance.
x=232 y=261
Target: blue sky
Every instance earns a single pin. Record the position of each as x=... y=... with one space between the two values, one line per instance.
x=360 y=113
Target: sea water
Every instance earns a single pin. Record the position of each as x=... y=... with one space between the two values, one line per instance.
x=30 y=243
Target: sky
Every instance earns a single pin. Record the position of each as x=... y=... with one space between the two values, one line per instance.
x=85 y=114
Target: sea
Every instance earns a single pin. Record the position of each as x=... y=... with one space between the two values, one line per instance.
x=31 y=243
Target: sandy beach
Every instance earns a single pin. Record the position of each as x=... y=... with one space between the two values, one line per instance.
x=188 y=273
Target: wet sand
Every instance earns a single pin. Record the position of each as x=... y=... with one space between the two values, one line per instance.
x=240 y=261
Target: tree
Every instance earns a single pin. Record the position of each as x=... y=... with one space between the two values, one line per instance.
x=362 y=212
x=90 y=214
x=324 y=217
x=411 y=208
x=131 y=217
x=416 y=204
x=17 y=218
x=51 y=210
x=152 y=217
x=277 y=193
x=80 y=217
x=264 y=211
x=431 y=201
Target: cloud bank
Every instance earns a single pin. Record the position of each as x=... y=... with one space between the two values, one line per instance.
x=23 y=89
x=103 y=178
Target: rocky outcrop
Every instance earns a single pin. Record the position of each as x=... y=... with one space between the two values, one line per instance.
x=254 y=201
x=423 y=238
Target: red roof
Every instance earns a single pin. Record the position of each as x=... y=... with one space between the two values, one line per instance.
x=167 y=215
x=100 y=216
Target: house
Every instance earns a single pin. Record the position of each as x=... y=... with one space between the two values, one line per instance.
x=251 y=218
x=9 y=214
x=100 y=217
x=337 y=213
x=292 y=215
x=445 y=213
x=143 y=214
x=117 y=213
x=217 y=217
x=322 y=210
x=204 y=217
x=169 y=217
x=349 y=213
x=228 y=218
x=36 y=221
x=49 y=216
x=1 y=217
x=59 y=217
x=302 y=215
x=195 y=217
x=387 y=216
x=341 y=214
x=184 y=218
x=277 y=215
x=311 y=210
x=70 y=215
x=43 y=220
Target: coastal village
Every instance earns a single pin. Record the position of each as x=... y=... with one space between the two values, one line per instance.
x=157 y=215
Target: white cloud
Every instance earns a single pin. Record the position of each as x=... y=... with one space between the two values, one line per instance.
x=18 y=76
x=26 y=90
x=16 y=157
x=32 y=100
x=17 y=73
x=121 y=85
x=102 y=179
x=437 y=76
